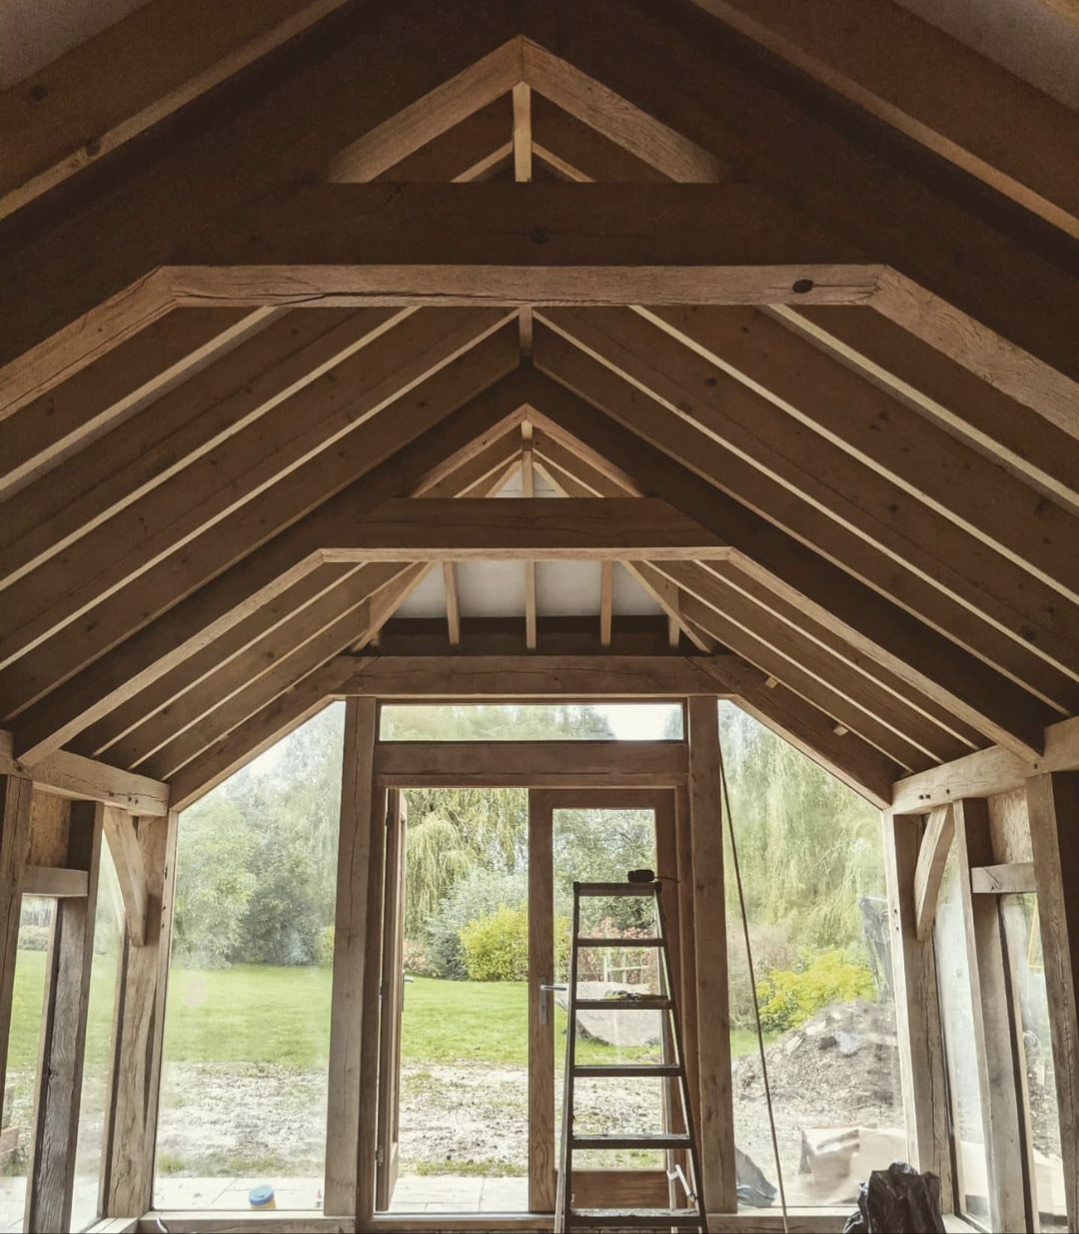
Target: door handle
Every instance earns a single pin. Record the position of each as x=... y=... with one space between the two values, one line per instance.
x=545 y=989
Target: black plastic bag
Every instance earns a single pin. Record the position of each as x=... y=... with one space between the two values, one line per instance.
x=897 y=1200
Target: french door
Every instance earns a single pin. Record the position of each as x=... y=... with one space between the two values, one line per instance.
x=656 y=811
x=647 y=1187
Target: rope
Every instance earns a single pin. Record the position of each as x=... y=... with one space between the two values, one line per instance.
x=753 y=986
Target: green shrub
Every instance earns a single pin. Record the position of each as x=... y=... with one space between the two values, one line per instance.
x=788 y=997
x=325 y=947
x=495 y=947
x=478 y=894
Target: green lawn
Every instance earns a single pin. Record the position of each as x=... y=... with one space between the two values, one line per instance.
x=252 y=1013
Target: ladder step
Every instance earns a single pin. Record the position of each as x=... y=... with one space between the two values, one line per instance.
x=620 y=942
x=616 y=889
x=588 y=1071
x=663 y=1139
x=647 y=1002
x=636 y=1218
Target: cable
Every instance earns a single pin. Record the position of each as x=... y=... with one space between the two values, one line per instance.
x=753 y=986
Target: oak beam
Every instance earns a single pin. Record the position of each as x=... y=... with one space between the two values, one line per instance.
x=412 y=244
x=511 y=764
x=72 y=775
x=1053 y=810
x=706 y=814
x=873 y=625
x=1008 y=280
x=917 y=1011
x=297 y=111
x=51 y=1168
x=995 y=1049
x=54 y=109
x=356 y=876
x=929 y=871
x=528 y=528
x=987 y=773
x=135 y=1082
x=129 y=861
x=257 y=733
x=423 y=458
x=16 y=792
x=453 y=608
x=930 y=87
x=848 y=757
x=402 y=677
x=429 y=117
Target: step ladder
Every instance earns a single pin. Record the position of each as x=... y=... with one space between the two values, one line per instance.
x=686 y=1210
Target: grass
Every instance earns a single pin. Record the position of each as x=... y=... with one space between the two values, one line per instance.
x=281 y=1017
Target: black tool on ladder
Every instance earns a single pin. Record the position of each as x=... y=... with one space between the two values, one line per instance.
x=686 y=1210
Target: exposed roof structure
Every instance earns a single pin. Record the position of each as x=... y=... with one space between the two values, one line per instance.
x=790 y=337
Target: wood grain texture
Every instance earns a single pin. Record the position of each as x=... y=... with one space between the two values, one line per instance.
x=927 y=85
x=589 y=415
x=995 y=1048
x=914 y=978
x=716 y=1149
x=552 y=764
x=358 y=816
x=16 y=793
x=1053 y=802
x=51 y=1168
x=135 y=1074
x=929 y=871
x=988 y=772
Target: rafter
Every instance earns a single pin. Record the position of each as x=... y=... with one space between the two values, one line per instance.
x=1035 y=442
x=865 y=421
x=257 y=733
x=308 y=108
x=1008 y=280
x=196 y=621
x=706 y=602
x=36 y=437
x=428 y=117
x=914 y=652
x=329 y=616
x=228 y=541
x=299 y=452
x=708 y=454
x=934 y=92
x=187 y=423
x=815 y=489
x=812 y=731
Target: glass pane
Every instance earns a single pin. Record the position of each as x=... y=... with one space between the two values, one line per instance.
x=602 y=846
x=531 y=722
x=812 y=868
x=104 y=970
x=957 y=1014
x=247 y=1022
x=35 y=928
x=1027 y=965
x=464 y=1047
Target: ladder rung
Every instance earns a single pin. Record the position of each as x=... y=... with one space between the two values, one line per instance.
x=599 y=1071
x=616 y=889
x=620 y=942
x=636 y=1218
x=649 y=1002
x=663 y=1139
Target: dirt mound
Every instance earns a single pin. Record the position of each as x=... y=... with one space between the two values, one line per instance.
x=842 y=1065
